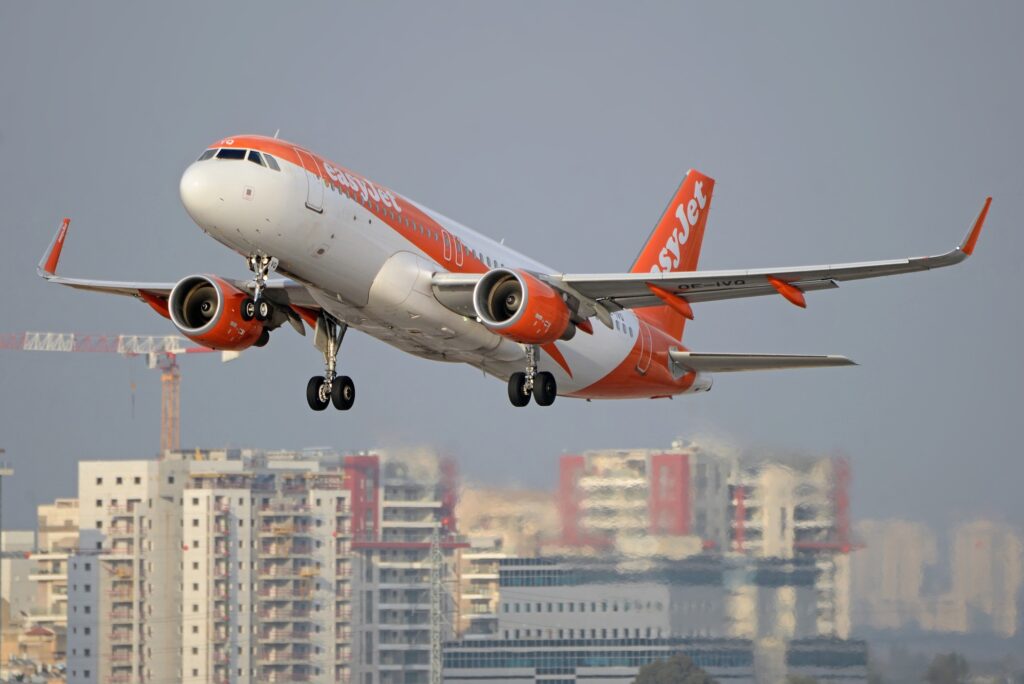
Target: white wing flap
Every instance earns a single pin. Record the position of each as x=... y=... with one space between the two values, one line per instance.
x=704 y=362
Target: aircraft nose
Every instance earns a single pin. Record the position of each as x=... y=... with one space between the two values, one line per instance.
x=198 y=193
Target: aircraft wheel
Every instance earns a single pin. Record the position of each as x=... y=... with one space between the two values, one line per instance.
x=545 y=389
x=517 y=393
x=315 y=395
x=248 y=309
x=262 y=310
x=343 y=393
x=263 y=339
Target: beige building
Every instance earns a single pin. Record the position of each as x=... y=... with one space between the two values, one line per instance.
x=888 y=573
x=57 y=539
x=520 y=521
x=987 y=574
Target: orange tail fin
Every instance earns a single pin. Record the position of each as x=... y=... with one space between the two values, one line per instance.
x=674 y=244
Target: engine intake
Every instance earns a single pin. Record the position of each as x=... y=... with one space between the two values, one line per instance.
x=518 y=306
x=208 y=310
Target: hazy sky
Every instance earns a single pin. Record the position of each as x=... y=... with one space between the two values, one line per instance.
x=836 y=132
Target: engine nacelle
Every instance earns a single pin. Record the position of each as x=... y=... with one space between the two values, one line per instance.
x=518 y=306
x=208 y=310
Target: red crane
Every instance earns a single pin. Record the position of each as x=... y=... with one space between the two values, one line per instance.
x=161 y=352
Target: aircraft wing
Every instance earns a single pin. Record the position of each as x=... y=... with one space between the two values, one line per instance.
x=279 y=290
x=704 y=362
x=600 y=293
x=632 y=290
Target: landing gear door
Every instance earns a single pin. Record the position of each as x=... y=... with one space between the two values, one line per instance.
x=314 y=185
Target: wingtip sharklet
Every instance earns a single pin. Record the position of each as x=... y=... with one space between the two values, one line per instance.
x=967 y=246
x=48 y=264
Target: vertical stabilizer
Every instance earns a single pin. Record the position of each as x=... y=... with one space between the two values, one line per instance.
x=674 y=244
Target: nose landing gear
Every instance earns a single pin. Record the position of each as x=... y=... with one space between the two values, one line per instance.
x=256 y=306
x=330 y=388
x=541 y=385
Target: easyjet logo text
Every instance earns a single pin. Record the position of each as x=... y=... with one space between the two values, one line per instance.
x=688 y=213
x=367 y=189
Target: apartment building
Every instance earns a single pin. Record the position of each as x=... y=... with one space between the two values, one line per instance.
x=399 y=500
x=797 y=508
x=56 y=540
x=248 y=566
x=668 y=501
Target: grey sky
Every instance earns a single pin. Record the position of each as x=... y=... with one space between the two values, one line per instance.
x=836 y=132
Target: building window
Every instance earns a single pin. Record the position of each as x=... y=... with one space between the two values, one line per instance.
x=119 y=480
x=99 y=480
x=99 y=503
x=137 y=480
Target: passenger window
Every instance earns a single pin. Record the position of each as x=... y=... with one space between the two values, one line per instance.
x=255 y=157
x=271 y=162
x=229 y=153
x=207 y=154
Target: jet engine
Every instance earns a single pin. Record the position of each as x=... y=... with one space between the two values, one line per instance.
x=518 y=306
x=208 y=310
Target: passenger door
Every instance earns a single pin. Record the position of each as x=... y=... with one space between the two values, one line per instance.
x=644 y=361
x=314 y=184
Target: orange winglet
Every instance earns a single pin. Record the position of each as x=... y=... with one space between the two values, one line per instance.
x=674 y=301
x=972 y=237
x=791 y=292
x=158 y=304
x=50 y=264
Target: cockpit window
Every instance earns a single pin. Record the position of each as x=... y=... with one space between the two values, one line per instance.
x=255 y=157
x=271 y=162
x=231 y=153
x=207 y=154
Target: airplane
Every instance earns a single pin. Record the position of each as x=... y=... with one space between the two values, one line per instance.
x=332 y=249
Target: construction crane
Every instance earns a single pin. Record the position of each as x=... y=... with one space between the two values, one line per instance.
x=161 y=352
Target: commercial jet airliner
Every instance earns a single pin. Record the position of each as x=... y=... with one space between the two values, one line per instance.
x=354 y=253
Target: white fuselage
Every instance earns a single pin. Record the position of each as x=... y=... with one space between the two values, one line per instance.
x=374 y=273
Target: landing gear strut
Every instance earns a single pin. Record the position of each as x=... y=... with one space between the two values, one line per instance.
x=330 y=388
x=541 y=385
x=257 y=306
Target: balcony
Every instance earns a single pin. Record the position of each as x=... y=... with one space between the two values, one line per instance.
x=282 y=636
x=282 y=658
x=283 y=594
x=284 y=615
x=120 y=636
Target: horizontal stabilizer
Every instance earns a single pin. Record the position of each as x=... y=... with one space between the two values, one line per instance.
x=704 y=362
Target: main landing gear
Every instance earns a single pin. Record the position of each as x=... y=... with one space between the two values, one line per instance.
x=257 y=306
x=541 y=385
x=329 y=388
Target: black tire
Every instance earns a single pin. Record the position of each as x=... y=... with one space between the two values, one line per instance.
x=248 y=309
x=262 y=340
x=545 y=389
x=263 y=310
x=516 y=392
x=343 y=393
x=313 y=397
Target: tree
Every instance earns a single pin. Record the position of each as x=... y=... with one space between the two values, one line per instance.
x=678 y=669
x=947 y=668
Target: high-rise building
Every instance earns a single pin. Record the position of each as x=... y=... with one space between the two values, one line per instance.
x=253 y=567
x=56 y=540
x=797 y=508
x=987 y=575
x=888 y=573
x=398 y=501
x=667 y=501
